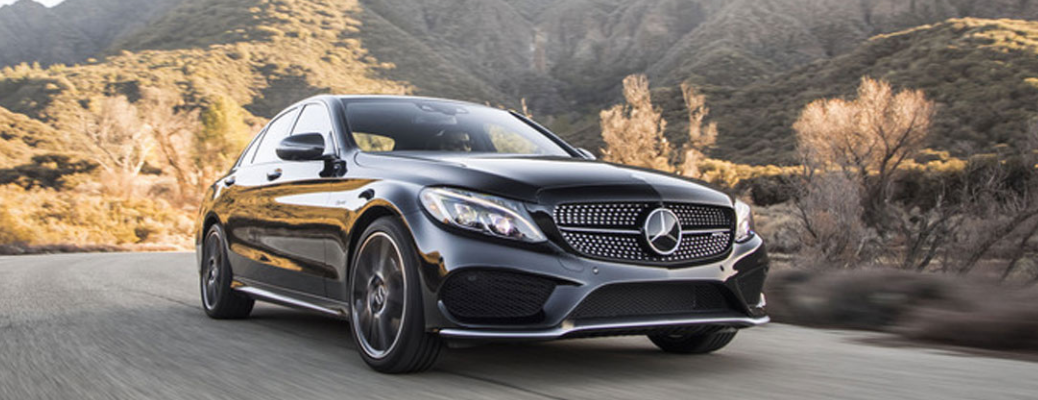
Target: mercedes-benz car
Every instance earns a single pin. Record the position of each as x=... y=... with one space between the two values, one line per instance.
x=426 y=222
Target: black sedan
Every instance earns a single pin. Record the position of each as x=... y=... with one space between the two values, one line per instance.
x=426 y=221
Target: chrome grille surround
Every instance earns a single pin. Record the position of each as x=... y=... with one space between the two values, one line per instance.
x=612 y=231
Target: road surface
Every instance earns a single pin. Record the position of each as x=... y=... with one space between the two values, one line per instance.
x=129 y=326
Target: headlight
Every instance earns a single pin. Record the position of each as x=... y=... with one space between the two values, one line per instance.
x=743 y=222
x=491 y=215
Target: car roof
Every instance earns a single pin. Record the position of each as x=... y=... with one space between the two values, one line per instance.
x=329 y=98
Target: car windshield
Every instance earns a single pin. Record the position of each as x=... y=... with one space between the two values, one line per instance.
x=394 y=125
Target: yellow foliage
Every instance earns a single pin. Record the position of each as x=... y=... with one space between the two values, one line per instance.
x=633 y=132
x=47 y=216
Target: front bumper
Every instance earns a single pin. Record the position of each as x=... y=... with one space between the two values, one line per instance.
x=619 y=327
x=445 y=253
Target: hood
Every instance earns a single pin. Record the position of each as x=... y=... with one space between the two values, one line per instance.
x=546 y=180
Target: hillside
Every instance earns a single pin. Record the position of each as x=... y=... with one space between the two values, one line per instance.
x=571 y=55
x=72 y=31
x=198 y=77
x=563 y=56
x=983 y=74
x=264 y=54
x=74 y=186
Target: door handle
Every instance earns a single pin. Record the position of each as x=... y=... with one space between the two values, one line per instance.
x=272 y=175
x=229 y=181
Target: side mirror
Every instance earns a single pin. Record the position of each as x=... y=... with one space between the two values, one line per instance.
x=586 y=154
x=302 y=147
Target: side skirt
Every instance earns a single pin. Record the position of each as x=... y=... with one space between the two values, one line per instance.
x=291 y=298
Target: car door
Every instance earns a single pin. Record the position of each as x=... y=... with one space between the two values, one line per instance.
x=274 y=225
x=297 y=218
x=246 y=209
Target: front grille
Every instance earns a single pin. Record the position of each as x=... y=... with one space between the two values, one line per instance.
x=607 y=215
x=628 y=247
x=489 y=296
x=651 y=299
x=612 y=231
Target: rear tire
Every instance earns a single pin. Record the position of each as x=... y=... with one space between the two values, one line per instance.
x=386 y=311
x=694 y=343
x=218 y=299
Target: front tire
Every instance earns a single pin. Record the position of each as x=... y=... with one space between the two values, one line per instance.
x=218 y=299
x=694 y=343
x=386 y=314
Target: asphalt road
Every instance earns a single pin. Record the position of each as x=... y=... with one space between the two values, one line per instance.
x=129 y=326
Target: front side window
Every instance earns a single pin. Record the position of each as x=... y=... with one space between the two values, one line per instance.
x=314 y=119
x=276 y=131
x=443 y=126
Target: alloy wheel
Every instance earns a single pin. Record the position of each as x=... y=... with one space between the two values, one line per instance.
x=211 y=270
x=378 y=295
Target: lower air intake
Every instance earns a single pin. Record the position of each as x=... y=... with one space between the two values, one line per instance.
x=496 y=297
x=651 y=299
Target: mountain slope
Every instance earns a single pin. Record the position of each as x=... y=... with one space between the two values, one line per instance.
x=983 y=74
x=565 y=57
x=72 y=31
x=272 y=53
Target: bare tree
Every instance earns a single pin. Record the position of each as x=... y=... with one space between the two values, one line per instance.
x=112 y=126
x=833 y=229
x=701 y=136
x=526 y=110
x=1001 y=207
x=172 y=128
x=869 y=137
x=633 y=132
x=853 y=149
x=924 y=232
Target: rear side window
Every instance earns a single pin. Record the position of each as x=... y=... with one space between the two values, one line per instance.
x=276 y=131
x=249 y=153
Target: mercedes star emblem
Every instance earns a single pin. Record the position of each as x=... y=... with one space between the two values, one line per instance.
x=663 y=231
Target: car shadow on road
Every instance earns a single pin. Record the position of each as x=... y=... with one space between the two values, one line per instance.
x=548 y=362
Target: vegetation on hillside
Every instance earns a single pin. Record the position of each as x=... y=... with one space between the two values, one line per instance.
x=165 y=110
x=865 y=191
x=134 y=137
x=982 y=75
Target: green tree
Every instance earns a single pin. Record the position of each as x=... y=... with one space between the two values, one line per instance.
x=223 y=135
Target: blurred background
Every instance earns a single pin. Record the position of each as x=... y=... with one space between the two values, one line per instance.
x=889 y=146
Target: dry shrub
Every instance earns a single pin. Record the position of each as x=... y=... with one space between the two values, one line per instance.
x=779 y=227
x=768 y=190
x=634 y=135
x=17 y=249
x=718 y=172
x=633 y=132
x=49 y=217
x=701 y=135
x=113 y=129
x=831 y=212
x=868 y=139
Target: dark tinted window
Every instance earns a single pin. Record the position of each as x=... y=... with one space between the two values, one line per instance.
x=442 y=126
x=277 y=130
